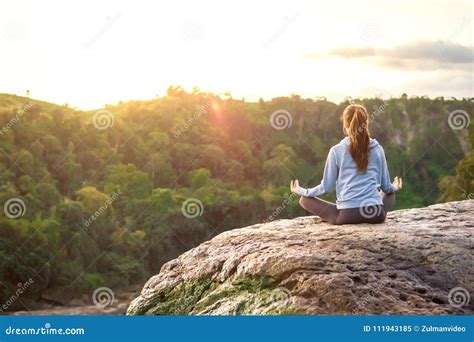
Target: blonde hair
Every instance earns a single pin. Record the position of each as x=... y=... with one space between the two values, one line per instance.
x=356 y=125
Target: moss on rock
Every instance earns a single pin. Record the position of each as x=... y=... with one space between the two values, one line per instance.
x=238 y=297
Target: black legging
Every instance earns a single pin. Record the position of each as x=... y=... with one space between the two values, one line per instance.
x=329 y=212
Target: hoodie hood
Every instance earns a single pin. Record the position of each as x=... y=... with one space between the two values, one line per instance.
x=372 y=142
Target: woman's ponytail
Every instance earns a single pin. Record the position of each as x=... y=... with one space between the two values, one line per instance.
x=356 y=122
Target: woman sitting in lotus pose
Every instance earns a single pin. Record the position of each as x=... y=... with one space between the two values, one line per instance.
x=358 y=169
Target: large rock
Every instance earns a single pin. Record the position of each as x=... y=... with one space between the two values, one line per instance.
x=419 y=261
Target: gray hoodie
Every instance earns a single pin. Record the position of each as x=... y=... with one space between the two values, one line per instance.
x=353 y=189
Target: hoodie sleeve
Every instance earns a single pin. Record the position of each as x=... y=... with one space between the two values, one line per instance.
x=329 y=178
x=385 y=184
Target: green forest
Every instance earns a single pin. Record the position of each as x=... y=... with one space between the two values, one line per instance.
x=105 y=197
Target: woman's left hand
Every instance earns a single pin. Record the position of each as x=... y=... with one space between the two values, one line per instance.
x=397 y=183
x=294 y=185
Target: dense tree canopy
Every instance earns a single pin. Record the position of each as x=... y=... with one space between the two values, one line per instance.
x=109 y=196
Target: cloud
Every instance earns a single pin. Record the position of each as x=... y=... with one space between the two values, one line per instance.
x=437 y=51
x=418 y=55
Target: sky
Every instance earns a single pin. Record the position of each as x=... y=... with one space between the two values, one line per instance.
x=92 y=53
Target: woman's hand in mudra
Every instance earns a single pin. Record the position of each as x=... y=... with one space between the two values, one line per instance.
x=397 y=183
x=294 y=185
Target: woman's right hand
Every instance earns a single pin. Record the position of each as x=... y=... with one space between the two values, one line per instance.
x=397 y=183
x=294 y=185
